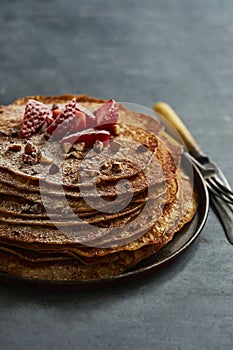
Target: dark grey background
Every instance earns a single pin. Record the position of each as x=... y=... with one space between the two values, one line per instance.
x=179 y=51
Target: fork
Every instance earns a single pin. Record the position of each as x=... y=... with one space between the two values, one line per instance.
x=214 y=178
x=217 y=184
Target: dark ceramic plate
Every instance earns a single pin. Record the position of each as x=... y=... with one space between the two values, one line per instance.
x=167 y=254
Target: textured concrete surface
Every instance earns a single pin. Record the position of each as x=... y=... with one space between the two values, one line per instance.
x=180 y=51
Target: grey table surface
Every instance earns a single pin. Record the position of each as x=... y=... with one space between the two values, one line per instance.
x=179 y=51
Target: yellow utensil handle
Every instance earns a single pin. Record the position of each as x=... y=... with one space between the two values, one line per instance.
x=168 y=114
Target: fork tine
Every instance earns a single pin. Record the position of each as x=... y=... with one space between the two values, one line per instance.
x=223 y=187
x=213 y=183
x=218 y=192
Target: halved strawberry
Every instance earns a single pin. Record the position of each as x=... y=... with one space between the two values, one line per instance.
x=68 y=112
x=90 y=117
x=71 y=125
x=55 y=111
x=80 y=122
x=89 y=136
x=35 y=116
x=107 y=115
x=74 y=123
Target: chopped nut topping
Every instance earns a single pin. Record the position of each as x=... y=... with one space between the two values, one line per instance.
x=67 y=155
x=98 y=146
x=43 y=159
x=78 y=155
x=30 y=159
x=15 y=148
x=115 y=146
x=116 y=167
x=75 y=154
x=80 y=146
x=115 y=130
x=105 y=165
x=29 y=148
x=67 y=147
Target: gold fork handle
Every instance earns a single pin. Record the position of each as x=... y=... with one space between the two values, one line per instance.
x=167 y=114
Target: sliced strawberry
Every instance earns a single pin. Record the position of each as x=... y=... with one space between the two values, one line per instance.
x=35 y=116
x=73 y=124
x=89 y=136
x=68 y=112
x=49 y=120
x=107 y=115
x=56 y=112
x=90 y=117
x=80 y=122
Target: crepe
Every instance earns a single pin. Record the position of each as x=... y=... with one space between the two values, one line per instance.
x=64 y=227
x=72 y=264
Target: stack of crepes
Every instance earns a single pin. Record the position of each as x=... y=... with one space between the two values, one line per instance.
x=75 y=209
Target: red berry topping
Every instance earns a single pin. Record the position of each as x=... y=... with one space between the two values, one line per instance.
x=35 y=116
x=89 y=136
x=75 y=121
x=56 y=112
x=90 y=117
x=107 y=115
x=29 y=148
x=68 y=112
x=71 y=125
x=80 y=122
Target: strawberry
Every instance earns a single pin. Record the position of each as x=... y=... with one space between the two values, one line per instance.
x=55 y=113
x=35 y=116
x=90 y=117
x=80 y=122
x=89 y=136
x=73 y=124
x=68 y=112
x=107 y=115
